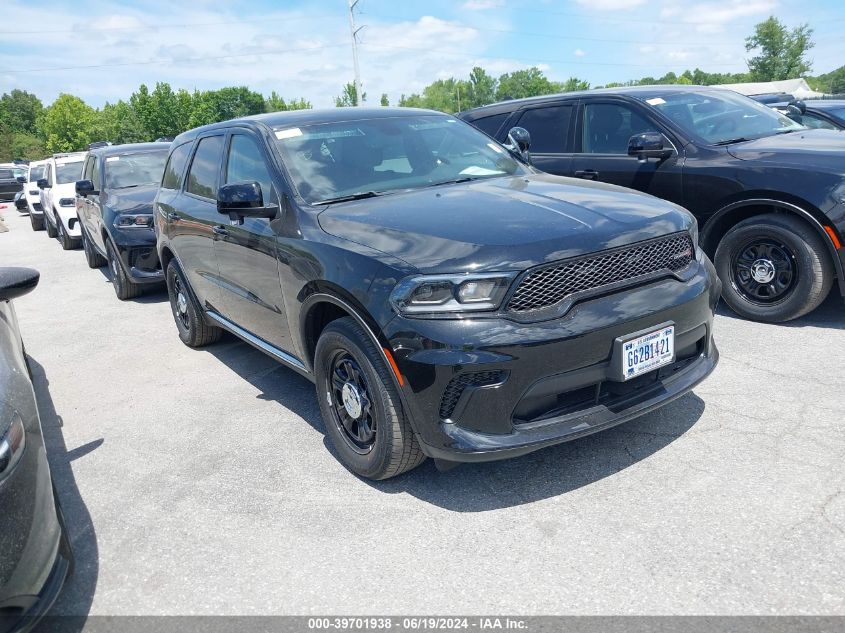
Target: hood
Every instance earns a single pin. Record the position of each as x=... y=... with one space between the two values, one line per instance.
x=66 y=190
x=132 y=200
x=501 y=224
x=814 y=150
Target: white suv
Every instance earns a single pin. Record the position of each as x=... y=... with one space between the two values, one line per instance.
x=58 y=198
x=37 y=170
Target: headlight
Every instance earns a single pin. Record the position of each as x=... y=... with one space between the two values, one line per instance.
x=443 y=294
x=134 y=221
x=12 y=445
x=67 y=202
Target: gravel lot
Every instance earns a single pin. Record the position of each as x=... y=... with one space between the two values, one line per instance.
x=198 y=482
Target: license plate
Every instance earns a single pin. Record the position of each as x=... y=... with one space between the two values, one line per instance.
x=648 y=352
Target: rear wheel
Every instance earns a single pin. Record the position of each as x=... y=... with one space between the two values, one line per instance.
x=193 y=330
x=124 y=287
x=94 y=259
x=36 y=222
x=51 y=228
x=360 y=405
x=774 y=268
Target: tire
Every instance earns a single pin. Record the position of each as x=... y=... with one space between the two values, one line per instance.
x=92 y=257
x=67 y=242
x=193 y=330
x=777 y=245
x=124 y=287
x=389 y=449
x=51 y=228
x=37 y=223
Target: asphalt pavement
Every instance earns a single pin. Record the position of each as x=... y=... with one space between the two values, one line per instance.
x=199 y=481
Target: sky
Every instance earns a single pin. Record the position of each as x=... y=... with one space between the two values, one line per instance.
x=102 y=50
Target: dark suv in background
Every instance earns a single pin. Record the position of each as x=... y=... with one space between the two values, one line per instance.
x=768 y=193
x=114 y=203
x=447 y=299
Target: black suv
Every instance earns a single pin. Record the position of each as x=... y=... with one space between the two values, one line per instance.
x=447 y=299
x=114 y=202
x=768 y=193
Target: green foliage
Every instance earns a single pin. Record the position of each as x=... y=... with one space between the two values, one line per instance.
x=20 y=145
x=19 y=111
x=529 y=82
x=831 y=83
x=349 y=96
x=482 y=88
x=782 y=53
x=68 y=124
x=384 y=101
x=572 y=84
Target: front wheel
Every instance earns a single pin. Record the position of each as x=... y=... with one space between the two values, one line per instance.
x=360 y=405
x=124 y=287
x=92 y=257
x=774 y=268
x=51 y=228
x=65 y=240
x=193 y=330
x=36 y=222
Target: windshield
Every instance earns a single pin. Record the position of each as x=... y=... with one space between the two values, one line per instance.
x=36 y=172
x=331 y=160
x=68 y=172
x=133 y=170
x=20 y=171
x=718 y=117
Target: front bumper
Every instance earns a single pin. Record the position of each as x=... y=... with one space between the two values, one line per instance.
x=484 y=389
x=138 y=256
x=69 y=219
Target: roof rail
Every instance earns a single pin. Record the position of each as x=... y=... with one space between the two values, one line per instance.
x=67 y=154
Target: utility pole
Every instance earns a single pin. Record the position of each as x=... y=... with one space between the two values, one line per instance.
x=359 y=93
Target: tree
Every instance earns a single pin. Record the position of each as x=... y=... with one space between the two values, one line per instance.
x=832 y=82
x=482 y=88
x=349 y=96
x=68 y=124
x=19 y=110
x=782 y=53
x=300 y=104
x=119 y=123
x=529 y=82
x=572 y=84
x=384 y=100
x=274 y=103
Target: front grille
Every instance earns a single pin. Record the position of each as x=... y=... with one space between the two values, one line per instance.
x=549 y=285
x=457 y=385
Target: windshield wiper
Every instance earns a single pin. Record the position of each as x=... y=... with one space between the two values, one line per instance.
x=456 y=181
x=731 y=141
x=352 y=196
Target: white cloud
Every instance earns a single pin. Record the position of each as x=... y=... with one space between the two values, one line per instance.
x=678 y=55
x=714 y=16
x=612 y=5
x=481 y=5
x=578 y=52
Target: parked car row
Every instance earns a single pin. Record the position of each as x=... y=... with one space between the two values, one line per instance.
x=451 y=295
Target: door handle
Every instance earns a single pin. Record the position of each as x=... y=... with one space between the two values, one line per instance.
x=172 y=217
x=587 y=174
x=220 y=230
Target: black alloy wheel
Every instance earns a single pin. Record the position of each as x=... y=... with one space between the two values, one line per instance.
x=765 y=271
x=352 y=410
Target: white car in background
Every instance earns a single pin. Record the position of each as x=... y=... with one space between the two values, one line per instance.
x=58 y=198
x=37 y=170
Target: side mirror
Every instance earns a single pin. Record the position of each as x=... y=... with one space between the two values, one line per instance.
x=243 y=200
x=648 y=145
x=21 y=179
x=84 y=188
x=519 y=140
x=16 y=282
x=797 y=105
x=42 y=183
x=20 y=201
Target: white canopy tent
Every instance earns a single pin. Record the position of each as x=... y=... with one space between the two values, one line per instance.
x=798 y=88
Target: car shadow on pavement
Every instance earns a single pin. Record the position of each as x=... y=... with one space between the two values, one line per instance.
x=150 y=293
x=78 y=592
x=830 y=314
x=549 y=472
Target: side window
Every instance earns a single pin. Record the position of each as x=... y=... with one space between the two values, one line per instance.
x=175 y=167
x=815 y=122
x=608 y=127
x=246 y=164
x=94 y=165
x=549 y=128
x=202 y=177
x=491 y=124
